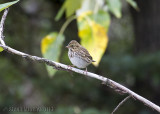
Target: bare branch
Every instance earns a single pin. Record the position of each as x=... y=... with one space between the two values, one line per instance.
x=2 y=26
x=59 y=66
x=120 y=104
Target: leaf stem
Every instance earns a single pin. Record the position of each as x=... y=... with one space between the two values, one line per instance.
x=66 y=24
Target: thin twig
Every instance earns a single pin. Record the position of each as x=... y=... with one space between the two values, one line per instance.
x=60 y=66
x=120 y=104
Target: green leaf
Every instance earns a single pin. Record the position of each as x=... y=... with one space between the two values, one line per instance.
x=1 y=49
x=90 y=5
x=115 y=7
x=92 y=30
x=133 y=4
x=51 y=48
x=102 y=18
x=60 y=13
x=6 y=5
x=70 y=7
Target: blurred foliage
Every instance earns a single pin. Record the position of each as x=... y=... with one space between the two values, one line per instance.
x=26 y=83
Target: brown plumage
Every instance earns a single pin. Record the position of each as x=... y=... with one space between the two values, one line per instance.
x=78 y=55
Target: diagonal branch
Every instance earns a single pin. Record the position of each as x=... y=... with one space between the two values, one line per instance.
x=59 y=66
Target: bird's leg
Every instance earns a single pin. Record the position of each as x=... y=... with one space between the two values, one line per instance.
x=72 y=65
x=85 y=72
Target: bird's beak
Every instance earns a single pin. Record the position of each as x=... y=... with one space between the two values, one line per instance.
x=66 y=46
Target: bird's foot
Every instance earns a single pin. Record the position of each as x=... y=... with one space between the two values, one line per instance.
x=85 y=72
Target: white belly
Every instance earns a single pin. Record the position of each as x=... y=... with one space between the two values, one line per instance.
x=78 y=62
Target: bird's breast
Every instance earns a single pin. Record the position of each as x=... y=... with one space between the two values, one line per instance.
x=76 y=60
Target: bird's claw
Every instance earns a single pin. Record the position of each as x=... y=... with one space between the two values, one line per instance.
x=85 y=72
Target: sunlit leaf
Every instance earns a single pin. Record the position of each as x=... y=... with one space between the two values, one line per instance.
x=6 y=5
x=70 y=7
x=90 y=5
x=93 y=33
x=133 y=4
x=115 y=7
x=1 y=49
x=51 y=48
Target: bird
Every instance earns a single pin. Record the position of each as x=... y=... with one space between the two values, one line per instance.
x=78 y=55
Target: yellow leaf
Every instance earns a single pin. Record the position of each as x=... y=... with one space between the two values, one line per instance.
x=93 y=34
x=46 y=42
x=1 y=49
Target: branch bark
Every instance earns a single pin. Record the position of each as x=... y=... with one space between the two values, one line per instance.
x=59 y=66
x=2 y=26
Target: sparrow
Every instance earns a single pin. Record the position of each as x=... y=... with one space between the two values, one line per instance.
x=78 y=55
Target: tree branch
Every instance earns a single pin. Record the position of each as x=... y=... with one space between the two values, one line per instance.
x=1 y=26
x=59 y=66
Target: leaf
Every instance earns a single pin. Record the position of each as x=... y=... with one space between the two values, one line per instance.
x=60 y=13
x=1 y=49
x=6 y=5
x=70 y=7
x=93 y=33
x=51 y=48
x=115 y=7
x=90 y=5
x=133 y=4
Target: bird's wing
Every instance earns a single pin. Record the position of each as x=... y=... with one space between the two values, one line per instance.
x=85 y=53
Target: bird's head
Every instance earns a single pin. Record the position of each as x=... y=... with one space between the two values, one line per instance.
x=73 y=45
